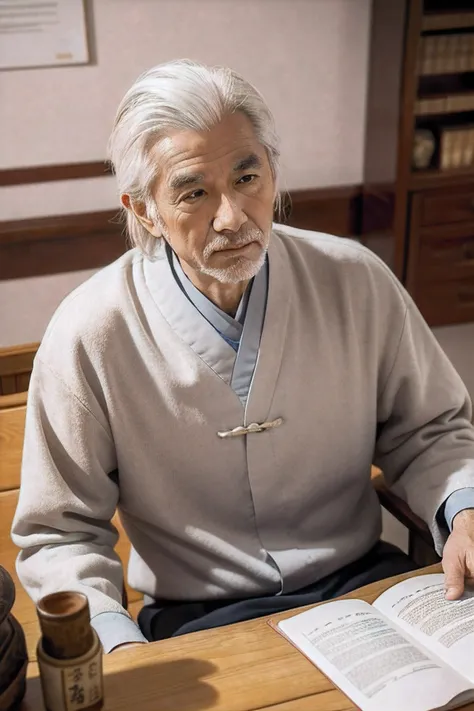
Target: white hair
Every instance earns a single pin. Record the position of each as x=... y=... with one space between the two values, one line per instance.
x=179 y=95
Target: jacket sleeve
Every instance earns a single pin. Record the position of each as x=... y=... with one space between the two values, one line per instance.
x=456 y=502
x=425 y=442
x=67 y=499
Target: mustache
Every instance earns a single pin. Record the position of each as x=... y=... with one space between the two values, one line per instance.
x=220 y=242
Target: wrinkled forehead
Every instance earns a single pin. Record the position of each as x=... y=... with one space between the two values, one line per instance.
x=229 y=146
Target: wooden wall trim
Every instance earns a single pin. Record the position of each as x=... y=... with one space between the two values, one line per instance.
x=336 y=210
x=48 y=173
x=52 y=245
x=378 y=208
x=58 y=227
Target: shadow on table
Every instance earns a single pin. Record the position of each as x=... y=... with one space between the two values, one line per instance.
x=153 y=686
x=161 y=686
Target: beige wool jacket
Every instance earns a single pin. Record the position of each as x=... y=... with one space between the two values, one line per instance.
x=131 y=387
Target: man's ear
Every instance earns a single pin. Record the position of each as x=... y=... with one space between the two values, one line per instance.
x=139 y=210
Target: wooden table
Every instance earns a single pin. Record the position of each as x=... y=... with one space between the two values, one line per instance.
x=242 y=667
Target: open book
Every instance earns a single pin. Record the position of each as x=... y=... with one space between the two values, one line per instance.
x=412 y=649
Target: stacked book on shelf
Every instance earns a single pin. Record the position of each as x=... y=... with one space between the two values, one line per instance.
x=446 y=54
x=445 y=104
x=456 y=147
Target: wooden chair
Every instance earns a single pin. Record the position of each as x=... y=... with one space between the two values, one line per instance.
x=12 y=427
x=420 y=541
x=16 y=364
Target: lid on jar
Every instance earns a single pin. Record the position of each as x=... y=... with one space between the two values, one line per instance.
x=64 y=619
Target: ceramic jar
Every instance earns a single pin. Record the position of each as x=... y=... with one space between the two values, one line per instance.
x=13 y=654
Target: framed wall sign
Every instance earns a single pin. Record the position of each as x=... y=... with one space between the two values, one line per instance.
x=42 y=33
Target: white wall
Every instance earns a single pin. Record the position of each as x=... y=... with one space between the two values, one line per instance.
x=308 y=57
x=26 y=305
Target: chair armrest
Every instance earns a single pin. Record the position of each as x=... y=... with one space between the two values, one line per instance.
x=400 y=509
x=14 y=400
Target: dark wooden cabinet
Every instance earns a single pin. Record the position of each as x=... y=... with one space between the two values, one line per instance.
x=440 y=273
x=419 y=162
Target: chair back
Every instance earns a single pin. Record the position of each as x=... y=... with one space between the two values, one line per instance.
x=16 y=364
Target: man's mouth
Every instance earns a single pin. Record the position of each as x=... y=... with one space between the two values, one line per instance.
x=236 y=247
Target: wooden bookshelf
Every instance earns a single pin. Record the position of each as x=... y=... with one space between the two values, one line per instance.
x=420 y=145
x=435 y=21
x=439 y=105
x=425 y=179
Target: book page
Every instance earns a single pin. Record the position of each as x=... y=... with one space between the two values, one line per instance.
x=369 y=660
x=418 y=605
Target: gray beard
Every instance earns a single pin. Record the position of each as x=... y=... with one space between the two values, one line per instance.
x=242 y=269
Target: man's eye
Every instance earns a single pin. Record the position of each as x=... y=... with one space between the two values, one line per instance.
x=247 y=178
x=192 y=197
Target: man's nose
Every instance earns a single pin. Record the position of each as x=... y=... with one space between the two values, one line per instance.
x=229 y=215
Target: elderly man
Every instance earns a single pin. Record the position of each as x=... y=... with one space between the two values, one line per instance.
x=226 y=385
